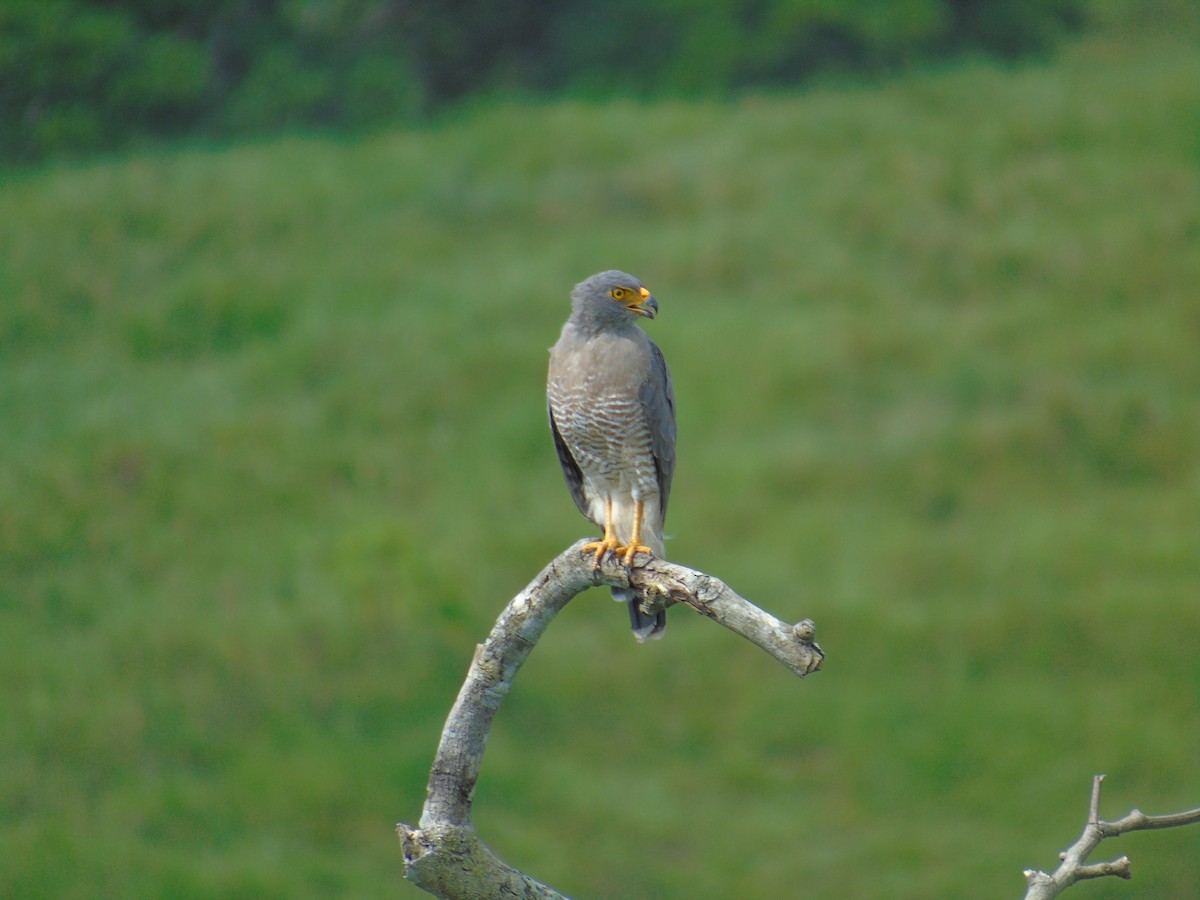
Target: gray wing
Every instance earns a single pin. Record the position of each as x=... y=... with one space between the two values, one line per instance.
x=657 y=394
x=571 y=471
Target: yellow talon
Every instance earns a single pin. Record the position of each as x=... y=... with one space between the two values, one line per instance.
x=608 y=543
x=601 y=547
x=633 y=550
x=635 y=545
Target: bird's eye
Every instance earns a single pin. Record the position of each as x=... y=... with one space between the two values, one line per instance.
x=619 y=293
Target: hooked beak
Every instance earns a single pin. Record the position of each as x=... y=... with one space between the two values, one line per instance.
x=647 y=306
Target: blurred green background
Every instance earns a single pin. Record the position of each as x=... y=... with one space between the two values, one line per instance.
x=273 y=456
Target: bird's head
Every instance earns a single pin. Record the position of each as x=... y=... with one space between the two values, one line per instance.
x=611 y=298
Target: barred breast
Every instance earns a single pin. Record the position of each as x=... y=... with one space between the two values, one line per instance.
x=608 y=435
x=593 y=392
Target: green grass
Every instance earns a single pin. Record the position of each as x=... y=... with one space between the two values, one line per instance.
x=274 y=457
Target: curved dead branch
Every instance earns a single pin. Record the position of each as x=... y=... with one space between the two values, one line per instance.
x=443 y=855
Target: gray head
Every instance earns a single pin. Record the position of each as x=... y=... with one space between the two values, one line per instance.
x=611 y=299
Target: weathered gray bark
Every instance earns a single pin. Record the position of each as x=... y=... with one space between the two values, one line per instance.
x=1075 y=866
x=443 y=855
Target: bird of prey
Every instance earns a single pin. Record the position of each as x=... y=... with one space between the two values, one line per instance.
x=612 y=413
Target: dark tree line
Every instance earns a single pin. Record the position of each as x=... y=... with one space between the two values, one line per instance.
x=80 y=75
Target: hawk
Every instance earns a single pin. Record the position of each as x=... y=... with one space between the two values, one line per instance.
x=612 y=413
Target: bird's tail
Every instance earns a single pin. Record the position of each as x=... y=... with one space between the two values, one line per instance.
x=644 y=626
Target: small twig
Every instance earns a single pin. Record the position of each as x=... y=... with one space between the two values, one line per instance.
x=1094 y=805
x=1118 y=867
x=1137 y=820
x=1074 y=866
x=443 y=855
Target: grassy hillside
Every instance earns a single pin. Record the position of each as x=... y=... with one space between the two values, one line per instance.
x=274 y=456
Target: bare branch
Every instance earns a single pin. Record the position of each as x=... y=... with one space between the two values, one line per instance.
x=1139 y=821
x=1074 y=865
x=1094 y=805
x=1118 y=867
x=663 y=583
x=443 y=855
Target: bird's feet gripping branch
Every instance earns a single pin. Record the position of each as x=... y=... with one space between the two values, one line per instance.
x=610 y=544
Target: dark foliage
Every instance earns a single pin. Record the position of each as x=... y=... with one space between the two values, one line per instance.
x=80 y=75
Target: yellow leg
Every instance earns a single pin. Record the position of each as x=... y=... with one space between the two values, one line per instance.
x=635 y=545
x=609 y=542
